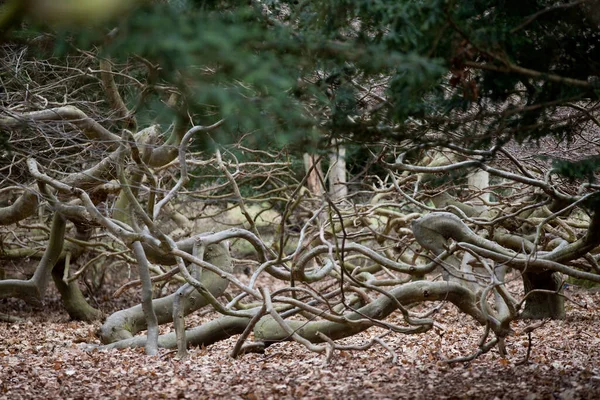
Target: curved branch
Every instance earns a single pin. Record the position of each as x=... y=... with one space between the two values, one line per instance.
x=183 y=178
x=269 y=330
x=33 y=290
x=25 y=206
x=92 y=129
x=126 y=323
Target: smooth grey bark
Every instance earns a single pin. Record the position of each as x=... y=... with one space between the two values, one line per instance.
x=126 y=323
x=445 y=199
x=337 y=174
x=179 y=304
x=147 y=306
x=551 y=304
x=94 y=177
x=480 y=181
x=312 y=166
x=92 y=129
x=579 y=248
x=268 y=330
x=114 y=98
x=433 y=230
x=203 y=335
x=34 y=289
x=103 y=171
x=25 y=206
x=72 y=298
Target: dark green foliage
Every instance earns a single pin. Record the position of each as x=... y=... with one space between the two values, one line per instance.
x=221 y=61
x=290 y=71
x=582 y=169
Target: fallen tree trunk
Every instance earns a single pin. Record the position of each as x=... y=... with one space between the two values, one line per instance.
x=267 y=330
x=125 y=324
x=203 y=335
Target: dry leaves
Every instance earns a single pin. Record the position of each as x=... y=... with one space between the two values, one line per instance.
x=42 y=358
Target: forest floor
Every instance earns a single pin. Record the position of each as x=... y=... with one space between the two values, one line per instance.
x=41 y=357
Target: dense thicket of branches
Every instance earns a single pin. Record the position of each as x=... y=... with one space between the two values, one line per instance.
x=469 y=131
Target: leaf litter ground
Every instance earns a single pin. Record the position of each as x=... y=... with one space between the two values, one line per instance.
x=41 y=357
